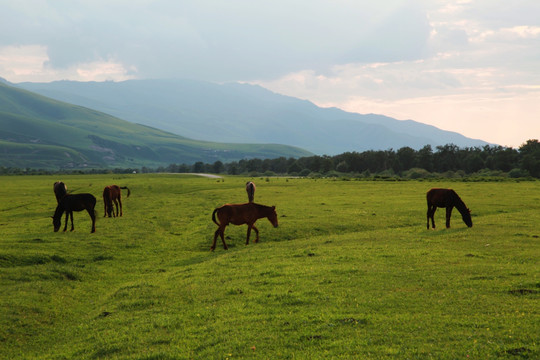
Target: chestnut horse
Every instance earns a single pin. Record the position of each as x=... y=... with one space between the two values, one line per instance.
x=250 y=189
x=112 y=193
x=74 y=202
x=239 y=214
x=446 y=198
x=60 y=190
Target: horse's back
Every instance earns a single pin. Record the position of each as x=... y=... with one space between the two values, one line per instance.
x=114 y=191
x=237 y=214
x=78 y=202
x=440 y=197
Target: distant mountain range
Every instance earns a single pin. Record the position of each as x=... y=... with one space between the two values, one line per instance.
x=39 y=132
x=242 y=113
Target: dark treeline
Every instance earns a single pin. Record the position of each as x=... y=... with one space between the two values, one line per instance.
x=448 y=161
x=443 y=161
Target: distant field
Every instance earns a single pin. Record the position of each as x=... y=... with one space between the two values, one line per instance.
x=351 y=272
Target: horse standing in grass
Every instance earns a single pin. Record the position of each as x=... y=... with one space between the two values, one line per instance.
x=446 y=198
x=74 y=202
x=112 y=193
x=239 y=214
x=60 y=190
x=250 y=189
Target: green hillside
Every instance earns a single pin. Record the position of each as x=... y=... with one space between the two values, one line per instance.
x=39 y=132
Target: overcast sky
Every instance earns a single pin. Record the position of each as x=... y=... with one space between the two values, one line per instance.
x=470 y=66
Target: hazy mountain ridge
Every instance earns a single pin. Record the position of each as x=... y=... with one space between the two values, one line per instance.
x=36 y=131
x=243 y=113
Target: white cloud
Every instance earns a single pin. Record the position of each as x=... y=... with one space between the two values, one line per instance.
x=17 y=61
x=31 y=63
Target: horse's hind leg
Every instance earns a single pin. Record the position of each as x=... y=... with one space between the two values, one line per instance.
x=216 y=234
x=222 y=234
x=71 y=217
x=93 y=217
x=119 y=202
x=219 y=232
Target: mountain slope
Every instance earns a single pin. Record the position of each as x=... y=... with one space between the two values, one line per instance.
x=36 y=131
x=246 y=113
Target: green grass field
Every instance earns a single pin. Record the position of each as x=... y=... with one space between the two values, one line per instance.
x=351 y=272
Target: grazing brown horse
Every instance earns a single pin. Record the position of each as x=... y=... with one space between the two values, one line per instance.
x=74 y=202
x=446 y=198
x=250 y=189
x=60 y=190
x=112 y=193
x=239 y=214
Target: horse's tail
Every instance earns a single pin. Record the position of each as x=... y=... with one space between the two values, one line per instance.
x=125 y=187
x=214 y=216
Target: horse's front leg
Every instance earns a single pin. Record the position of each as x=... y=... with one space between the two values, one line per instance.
x=256 y=232
x=448 y=214
x=67 y=216
x=431 y=215
x=248 y=233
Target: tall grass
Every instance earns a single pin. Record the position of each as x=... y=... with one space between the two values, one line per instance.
x=351 y=272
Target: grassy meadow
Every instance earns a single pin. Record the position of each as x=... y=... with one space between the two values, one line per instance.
x=351 y=272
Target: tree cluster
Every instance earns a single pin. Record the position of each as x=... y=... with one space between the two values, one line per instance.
x=404 y=162
x=443 y=161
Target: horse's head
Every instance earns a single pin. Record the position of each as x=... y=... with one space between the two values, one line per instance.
x=56 y=223
x=272 y=216
x=466 y=216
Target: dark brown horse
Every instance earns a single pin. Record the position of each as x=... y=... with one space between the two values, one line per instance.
x=60 y=190
x=239 y=214
x=74 y=202
x=112 y=193
x=446 y=198
x=250 y=189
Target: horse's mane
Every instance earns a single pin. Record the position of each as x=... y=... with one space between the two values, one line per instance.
x=459 y=204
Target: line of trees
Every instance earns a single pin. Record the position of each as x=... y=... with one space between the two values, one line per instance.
x=443 y=161
x=448 y=160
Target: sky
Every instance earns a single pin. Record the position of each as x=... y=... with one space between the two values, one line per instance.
x=469 y=66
